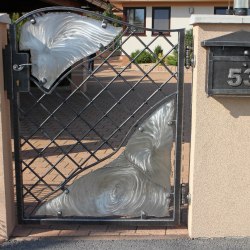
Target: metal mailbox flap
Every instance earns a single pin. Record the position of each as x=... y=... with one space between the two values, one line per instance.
x=229 y=64
x=236 y=39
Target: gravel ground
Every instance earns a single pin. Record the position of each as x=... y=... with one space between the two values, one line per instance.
x=182 y=243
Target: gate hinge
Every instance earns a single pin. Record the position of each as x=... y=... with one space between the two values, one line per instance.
x=185 y=196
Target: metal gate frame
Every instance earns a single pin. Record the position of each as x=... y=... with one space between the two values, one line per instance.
x=13 y=58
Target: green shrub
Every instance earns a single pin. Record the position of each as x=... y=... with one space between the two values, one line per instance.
x=14 y=16
x=144 y=57
x=134 y=54
x=189 y=43
x=189 y=38
x=158 y=50
x=172 y=59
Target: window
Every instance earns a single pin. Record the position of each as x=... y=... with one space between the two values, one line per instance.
x=137 y=17
x=220 y=10
x=223 y=11
x=161 y=19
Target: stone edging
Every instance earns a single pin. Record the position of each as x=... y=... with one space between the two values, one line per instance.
x=147 y=66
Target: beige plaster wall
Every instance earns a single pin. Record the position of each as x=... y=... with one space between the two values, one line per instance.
x=220 y=152
x=7 y=207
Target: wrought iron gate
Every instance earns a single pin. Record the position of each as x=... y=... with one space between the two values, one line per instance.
x=71 y=127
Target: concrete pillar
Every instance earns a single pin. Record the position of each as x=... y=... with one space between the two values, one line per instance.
x=220 y=145
x=7 y=205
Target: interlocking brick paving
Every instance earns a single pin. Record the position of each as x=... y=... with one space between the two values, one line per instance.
x=99 y=231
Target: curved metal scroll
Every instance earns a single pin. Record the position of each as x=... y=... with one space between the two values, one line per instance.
x=58 y=40
x=137 y=182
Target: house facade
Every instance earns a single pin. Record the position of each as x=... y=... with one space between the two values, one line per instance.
x=163 y=15
x=27 y=5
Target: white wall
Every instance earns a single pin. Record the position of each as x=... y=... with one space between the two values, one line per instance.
x=179 y=19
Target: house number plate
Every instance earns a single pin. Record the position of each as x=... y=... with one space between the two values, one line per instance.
x=229 y=77
x=235 y=77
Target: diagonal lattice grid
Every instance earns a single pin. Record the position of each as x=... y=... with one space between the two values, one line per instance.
x=88 y=118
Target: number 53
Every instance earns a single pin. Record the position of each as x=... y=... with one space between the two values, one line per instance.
x=236 y=77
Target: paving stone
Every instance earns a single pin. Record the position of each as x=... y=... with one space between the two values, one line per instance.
x=94 y=228
x=99 y=231
x=179 y=231
x=151 y=231
x=128 y=231
x=65 y=227
x=122 y=229
x=104 y=233
x=74 y=233
x=20 y=231
x=44 y=233
x=34 y=226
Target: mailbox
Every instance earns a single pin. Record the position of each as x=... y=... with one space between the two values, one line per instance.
x=229 y=64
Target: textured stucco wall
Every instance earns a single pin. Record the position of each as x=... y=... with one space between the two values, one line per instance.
x=220 y=158
x=7 y=206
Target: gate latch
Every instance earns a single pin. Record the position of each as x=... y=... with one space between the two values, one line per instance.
x=20 y=67
x=17 y=76
x=185 y=197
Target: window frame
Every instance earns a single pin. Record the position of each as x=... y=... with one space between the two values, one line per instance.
x=220 y=8
x=153 y=15
x=125 y=9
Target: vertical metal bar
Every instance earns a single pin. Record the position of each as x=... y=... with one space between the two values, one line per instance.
x=15 y=119
x=179 y=125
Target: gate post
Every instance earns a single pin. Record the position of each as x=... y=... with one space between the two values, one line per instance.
x=220 y=144
x=7 y=206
